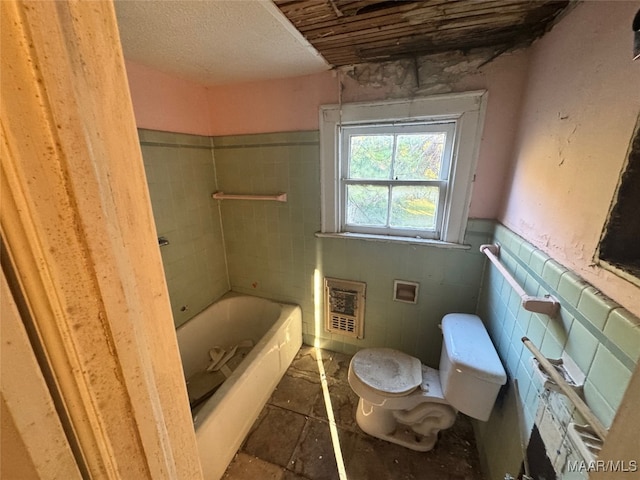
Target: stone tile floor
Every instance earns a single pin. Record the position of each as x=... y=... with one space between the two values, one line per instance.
x=291 y=438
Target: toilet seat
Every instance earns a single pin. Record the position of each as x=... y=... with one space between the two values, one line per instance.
x=388 y=371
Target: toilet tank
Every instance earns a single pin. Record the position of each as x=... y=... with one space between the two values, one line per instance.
x=471 y=373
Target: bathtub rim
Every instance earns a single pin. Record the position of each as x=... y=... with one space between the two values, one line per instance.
x=286 y=312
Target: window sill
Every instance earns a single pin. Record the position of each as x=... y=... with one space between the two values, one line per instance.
x=395 y=239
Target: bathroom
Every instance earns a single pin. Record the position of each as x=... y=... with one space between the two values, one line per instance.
x=559 y=122
x=556 y=135
x=541 y=189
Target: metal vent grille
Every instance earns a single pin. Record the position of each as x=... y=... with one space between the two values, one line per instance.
x=344 y=307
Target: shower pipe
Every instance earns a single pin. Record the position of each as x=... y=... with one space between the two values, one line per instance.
x=546 y=304
x=279 y=197
x=597 y=426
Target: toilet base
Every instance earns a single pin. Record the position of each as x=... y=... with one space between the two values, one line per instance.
x=387 y=424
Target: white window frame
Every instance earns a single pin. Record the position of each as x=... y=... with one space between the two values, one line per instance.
x=466 y=109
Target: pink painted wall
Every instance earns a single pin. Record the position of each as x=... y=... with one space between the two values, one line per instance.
x=285 y=105
x=580 y=108
x=505 y=79
x=164 y=102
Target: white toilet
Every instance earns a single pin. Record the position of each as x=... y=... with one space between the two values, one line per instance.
x=405 y=402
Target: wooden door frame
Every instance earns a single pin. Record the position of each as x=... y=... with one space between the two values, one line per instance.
x=77 y=226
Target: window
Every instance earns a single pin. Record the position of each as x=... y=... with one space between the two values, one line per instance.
x=400 y=169
x=395 y=178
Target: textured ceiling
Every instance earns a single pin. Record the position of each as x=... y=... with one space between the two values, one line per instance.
x=215 y=41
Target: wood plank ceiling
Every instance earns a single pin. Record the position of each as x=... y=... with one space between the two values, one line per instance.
x=348 y=32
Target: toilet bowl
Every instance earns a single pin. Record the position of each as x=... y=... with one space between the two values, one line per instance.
x=405 y=402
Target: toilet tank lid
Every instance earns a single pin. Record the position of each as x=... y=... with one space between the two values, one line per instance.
x=470 y=349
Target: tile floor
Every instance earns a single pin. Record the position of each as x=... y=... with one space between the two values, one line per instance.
x=291 y=439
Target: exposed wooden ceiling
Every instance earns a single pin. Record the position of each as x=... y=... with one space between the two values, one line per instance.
x=348 y=32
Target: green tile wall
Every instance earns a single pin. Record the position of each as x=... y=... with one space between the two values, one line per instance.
x=273 y=251
x=600 y=336
x=181 y=178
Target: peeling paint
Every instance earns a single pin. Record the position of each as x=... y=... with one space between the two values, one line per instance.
x=418 y=76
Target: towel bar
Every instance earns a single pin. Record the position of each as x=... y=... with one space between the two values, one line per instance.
x=566 y=389
x=546 y=305
x=279 y=197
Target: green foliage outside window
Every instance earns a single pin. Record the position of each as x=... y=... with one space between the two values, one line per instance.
x=395 y=157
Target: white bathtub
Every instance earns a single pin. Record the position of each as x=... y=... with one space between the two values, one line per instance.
x=222 y=423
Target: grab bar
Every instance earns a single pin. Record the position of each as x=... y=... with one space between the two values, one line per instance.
x=279 y=197
x=546 y=305
x=597 y=426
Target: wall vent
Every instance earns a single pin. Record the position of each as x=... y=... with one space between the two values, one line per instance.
x=344 y=307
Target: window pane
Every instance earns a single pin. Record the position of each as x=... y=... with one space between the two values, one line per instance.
x=419 y=156
x=367 y=205
x=370 y=157
x=414 y=207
